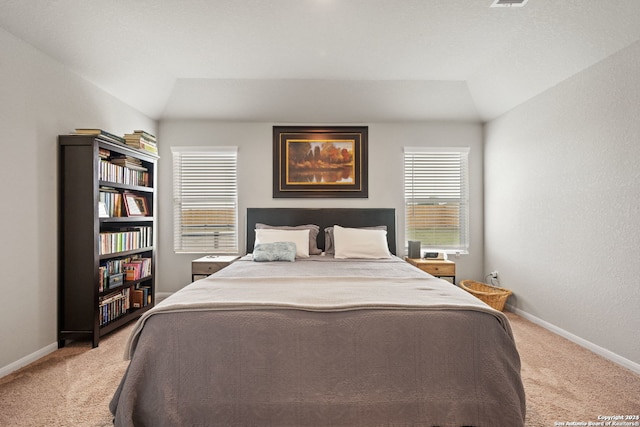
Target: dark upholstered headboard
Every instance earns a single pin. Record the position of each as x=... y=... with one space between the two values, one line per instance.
x=323 y=217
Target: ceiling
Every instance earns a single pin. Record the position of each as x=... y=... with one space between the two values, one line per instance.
x=324 y=60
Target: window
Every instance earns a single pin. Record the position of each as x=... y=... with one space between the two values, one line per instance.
x=205 y=200
x=436 y=198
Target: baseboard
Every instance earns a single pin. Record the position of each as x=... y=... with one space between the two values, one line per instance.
x=601 y=351
x=12 y=367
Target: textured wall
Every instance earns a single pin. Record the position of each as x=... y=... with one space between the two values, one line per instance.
x=562 y=204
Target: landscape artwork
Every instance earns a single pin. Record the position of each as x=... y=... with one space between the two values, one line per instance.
x=320 y=162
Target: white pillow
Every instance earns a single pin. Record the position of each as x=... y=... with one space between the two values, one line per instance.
x=299 y=237
x=360 y=243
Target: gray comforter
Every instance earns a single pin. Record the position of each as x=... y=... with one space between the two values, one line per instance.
x=321 y=342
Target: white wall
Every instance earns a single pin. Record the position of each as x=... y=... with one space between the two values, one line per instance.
x=255 y=168
x=40 y=100
x=562 y=204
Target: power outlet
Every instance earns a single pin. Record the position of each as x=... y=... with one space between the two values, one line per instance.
x=494 y=274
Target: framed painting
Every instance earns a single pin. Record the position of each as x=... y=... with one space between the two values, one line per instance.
x=327 y=161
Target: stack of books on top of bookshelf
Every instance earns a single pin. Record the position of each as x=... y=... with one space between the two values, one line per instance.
x=100 y=134
x=139 y=139
x=142 y=140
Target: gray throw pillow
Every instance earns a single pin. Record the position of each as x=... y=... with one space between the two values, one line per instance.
x=278 y=251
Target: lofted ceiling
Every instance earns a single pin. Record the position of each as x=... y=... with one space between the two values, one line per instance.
x=324 y=60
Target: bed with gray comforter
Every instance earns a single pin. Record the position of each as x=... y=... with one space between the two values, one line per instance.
x=321 y=342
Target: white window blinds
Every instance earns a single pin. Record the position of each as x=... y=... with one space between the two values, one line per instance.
x=436 y=194
x=205 y=200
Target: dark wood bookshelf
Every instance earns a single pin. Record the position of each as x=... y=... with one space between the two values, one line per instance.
x=81 y=312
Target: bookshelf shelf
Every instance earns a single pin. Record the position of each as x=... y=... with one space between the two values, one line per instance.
x=126 y=284
x=126 y=219
x=125 y=253
x=138 y=188
x=95 y=250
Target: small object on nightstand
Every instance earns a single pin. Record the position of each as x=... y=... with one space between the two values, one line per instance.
x=434 y=256
x=207 y=265
x=414 y=249
x=438 y=268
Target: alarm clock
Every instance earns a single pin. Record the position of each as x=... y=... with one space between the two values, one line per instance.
x=434 y=255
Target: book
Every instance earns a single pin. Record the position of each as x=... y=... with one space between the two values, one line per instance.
x=100 y=133
x=103 y=153
x=137 y=298
x=133 y=270
x=102 y=210
x=145 y=134
x=102 y=273
x=147 y=294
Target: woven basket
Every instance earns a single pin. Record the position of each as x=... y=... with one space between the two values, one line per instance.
x=492 y=295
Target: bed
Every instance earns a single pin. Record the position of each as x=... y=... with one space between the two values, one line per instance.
x=325 y=340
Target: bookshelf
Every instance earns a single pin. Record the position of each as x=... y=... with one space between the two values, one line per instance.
x=107 y=235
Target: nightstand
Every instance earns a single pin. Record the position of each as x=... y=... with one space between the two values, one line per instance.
x=437 y=268
x=207 y=265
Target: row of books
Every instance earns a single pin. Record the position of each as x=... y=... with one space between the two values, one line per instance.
x=137 y=269
x=112 y=200
x=114 y=305
x=109 y=171
x=117 y=304
x=115 y=266
x=131 y=268
x=139 y=139
x=129 y=239
x=103 y=282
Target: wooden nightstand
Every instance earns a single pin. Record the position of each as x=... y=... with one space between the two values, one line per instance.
x=437 y=268
x=207 y=265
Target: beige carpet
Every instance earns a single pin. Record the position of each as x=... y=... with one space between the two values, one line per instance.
x=564 y=383
x=69 y=387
